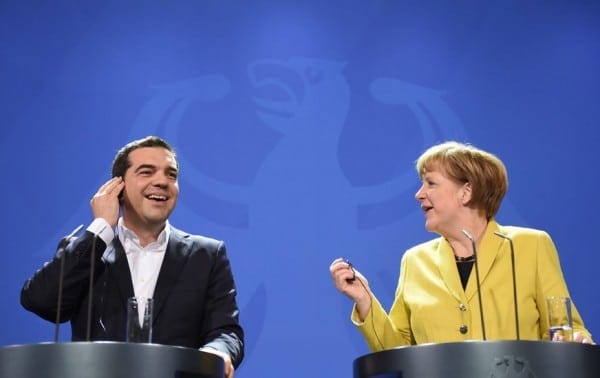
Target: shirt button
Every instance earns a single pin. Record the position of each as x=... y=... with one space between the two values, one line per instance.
x=463 y=329
x=462 y=307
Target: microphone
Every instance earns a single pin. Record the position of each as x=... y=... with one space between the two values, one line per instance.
x=60 y=251
x=514 y=280
x=91 y=289
x=478 y=284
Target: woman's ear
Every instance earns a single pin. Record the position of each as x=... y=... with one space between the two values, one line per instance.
x=467 y=192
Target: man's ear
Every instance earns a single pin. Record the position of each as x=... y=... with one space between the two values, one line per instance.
x=121 y=196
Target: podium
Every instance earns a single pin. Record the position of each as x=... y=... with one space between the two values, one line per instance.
x=101 y=359
x=479 y=359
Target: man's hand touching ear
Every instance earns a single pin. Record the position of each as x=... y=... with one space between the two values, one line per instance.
x=105 y=203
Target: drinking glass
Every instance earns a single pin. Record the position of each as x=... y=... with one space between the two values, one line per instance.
x=560 y=321
x=139 y=320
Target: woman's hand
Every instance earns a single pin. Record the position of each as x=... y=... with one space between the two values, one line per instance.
x=580 y=337
x=353 y=284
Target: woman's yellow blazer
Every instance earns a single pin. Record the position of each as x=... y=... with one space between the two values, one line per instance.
x=430 y=305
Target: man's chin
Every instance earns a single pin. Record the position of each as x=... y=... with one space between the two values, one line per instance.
x=157 y=219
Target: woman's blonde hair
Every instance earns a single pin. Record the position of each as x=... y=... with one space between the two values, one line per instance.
x=465 y=163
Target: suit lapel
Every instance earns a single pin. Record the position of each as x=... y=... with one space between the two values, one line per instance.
x=176 y=255
x=486 y=255
x=117 y=259
x=447 y=266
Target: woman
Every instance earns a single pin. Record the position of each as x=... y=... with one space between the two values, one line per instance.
x=437 y=299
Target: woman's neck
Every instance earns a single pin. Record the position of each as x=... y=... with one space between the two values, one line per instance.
x=466 y=239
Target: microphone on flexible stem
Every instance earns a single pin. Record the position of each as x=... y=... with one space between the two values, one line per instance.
x=514 y=280
x=91 y=289
x=478 y=284
x=60 y=252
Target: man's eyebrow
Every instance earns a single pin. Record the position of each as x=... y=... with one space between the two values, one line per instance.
x=145 y=166
x=153 y=167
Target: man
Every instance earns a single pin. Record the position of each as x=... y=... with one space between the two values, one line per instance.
x=141 y=254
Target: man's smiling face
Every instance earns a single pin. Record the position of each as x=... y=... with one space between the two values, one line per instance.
x=151 y=188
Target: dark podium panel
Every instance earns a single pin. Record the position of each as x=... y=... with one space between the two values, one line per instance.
x=107 y=360
x=479 y=359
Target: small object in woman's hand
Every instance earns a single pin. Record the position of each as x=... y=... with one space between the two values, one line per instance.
x=351 y=267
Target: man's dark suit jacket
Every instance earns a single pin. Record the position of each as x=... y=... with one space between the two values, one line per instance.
x=194 y=300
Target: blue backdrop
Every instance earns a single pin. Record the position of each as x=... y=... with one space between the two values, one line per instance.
x=297 y=124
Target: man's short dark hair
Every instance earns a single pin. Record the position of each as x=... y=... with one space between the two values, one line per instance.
x=121 y=162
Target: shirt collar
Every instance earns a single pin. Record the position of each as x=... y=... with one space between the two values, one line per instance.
x=128 y=237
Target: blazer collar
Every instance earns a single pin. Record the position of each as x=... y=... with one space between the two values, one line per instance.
x=447 y=266
x=116 y=259
x=178 y=250
x=487 y=252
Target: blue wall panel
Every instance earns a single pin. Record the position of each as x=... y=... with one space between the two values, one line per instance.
x=297 y=125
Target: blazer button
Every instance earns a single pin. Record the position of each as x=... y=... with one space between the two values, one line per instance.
x=462 y=307
x=463 y=329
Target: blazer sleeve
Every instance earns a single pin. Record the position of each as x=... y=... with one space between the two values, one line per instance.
x=223 y=330
x=551 y=282
x=383 y=331
x=40 y=292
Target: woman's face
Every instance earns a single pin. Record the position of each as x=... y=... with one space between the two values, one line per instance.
x=441 y=200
